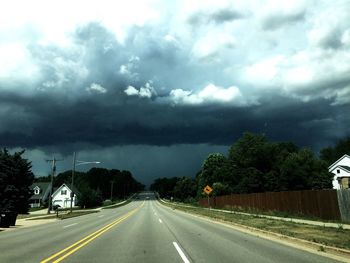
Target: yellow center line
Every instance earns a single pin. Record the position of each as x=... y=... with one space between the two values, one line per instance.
x=79 y=244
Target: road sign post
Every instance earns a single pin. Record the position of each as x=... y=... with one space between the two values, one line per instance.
x=208 y=190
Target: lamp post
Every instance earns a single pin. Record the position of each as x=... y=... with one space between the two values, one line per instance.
x=76 y=163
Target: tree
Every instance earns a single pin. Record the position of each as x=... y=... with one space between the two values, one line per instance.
x=302 y=171
x=15 y=179
x=164 y=186
x=185 y=188
x=251 y=151
x=331 y=154
x=88 y=197
x=211 y=171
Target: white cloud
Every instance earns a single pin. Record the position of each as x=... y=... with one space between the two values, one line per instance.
x=131 y=91
x=264 y=71
x=96 y=88
x=209 y=94
x=146 y=91
x=16 y=63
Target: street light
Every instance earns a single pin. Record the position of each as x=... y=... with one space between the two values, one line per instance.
x=76 y=163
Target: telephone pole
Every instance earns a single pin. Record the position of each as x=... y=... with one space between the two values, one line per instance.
x=53 y=161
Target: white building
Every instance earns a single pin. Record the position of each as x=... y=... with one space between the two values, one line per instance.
x=341 y=171
x=62 y=197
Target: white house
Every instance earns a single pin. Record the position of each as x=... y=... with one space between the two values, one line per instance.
x=62 y=197
x=341 y=171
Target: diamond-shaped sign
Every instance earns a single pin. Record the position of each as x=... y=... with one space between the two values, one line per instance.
x=207 y=189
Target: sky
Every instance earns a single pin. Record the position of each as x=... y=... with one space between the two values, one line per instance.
x=155 y=86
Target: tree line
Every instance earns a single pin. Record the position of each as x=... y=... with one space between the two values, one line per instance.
x=92 y=187
x=97 y=184
x=252 y=165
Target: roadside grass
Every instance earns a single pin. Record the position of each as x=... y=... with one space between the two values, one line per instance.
x=64 y=215
x=337 y=237
x=33 y=209
x=117 y=205
x=282 y=214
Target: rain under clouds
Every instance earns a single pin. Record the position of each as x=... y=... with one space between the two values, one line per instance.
x=156 y=89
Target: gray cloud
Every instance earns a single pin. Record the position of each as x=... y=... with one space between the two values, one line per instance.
x=217 y=16
x=79 y=97
x=275 y=21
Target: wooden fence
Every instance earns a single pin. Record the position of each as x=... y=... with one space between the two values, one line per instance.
x=317 y=203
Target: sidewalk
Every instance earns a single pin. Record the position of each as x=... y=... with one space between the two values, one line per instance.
x=23 y=223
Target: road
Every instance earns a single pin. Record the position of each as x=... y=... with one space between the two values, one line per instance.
x=142 y=231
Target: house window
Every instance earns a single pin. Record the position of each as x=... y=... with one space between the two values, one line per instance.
x=36 y=191
x=63 y=192
x=338 y=171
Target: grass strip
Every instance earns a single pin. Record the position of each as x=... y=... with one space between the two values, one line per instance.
x=117 y=205
x=337 y=237
x=64 y=216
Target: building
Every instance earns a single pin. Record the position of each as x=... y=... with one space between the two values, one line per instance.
x=341 y=171
x=62 y=196
x=41 y=193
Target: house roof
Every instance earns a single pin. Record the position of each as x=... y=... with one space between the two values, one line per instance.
x=75 y=190
x=335 y=163
x=44 y=187
x=347 y=168
x=41 y=185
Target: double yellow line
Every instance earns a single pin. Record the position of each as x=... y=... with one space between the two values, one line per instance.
x=59 y=256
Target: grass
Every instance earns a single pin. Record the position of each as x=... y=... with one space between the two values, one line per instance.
x=117 y=205
x=33 y=209
x=65 y=215
x=337 y=237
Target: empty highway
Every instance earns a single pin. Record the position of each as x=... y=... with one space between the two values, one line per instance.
x=142 y=231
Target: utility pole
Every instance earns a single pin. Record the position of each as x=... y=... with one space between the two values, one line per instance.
x=72 y=183
x=112 y=182
x=53 y=160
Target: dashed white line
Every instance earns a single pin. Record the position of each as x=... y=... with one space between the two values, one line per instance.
x=160 y=220
x=182 y=254
x=70 y=225
x=101 y=216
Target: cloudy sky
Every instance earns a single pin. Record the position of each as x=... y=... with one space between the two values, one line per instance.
x=154 y=86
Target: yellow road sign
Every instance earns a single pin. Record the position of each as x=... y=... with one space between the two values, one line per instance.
x=207 y=189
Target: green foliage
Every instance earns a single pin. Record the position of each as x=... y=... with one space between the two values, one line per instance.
x=331 y=154
x=185 y=188
x=256 y=165
x=220 y=189
x=15 y=179
x=97 y=183
x=164 y=186
x=88 y=197
x=301 y=171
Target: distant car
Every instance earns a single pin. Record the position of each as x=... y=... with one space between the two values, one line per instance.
x=147 y=197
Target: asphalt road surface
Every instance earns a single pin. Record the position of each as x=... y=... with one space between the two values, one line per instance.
x=142 y=231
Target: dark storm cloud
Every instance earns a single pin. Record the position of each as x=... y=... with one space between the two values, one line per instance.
x=98 y=121
x=67 y=112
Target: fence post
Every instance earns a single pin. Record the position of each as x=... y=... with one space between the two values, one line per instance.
x=344 y=204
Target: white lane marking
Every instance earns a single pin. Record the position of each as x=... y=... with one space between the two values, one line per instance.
x=182 y=254
x=101 y=216
x=70 y=225
x=160 y=220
